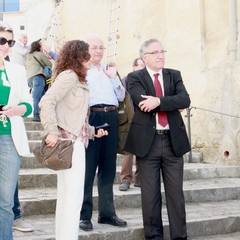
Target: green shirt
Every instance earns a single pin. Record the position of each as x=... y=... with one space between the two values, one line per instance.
x=5 y=124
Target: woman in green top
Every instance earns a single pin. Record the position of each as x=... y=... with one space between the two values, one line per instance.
x=14 y=101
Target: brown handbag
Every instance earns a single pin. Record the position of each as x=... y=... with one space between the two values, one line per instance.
x=56 y=158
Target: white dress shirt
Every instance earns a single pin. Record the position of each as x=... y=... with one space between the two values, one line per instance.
x=160 y=78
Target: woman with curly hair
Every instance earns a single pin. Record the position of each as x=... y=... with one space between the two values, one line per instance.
x=64 y=114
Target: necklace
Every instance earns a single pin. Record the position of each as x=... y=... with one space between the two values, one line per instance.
x=3 y=119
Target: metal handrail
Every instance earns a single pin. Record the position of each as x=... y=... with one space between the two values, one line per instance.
x=189 y=115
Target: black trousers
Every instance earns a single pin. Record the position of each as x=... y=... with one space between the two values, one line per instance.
x=101 y=154
x=161 y=158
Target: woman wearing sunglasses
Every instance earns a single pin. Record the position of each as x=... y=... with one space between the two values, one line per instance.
x=14 y=105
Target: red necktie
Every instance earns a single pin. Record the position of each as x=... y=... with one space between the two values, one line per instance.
x=162 y=116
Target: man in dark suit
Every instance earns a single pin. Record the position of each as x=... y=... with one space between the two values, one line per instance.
x=158 y=138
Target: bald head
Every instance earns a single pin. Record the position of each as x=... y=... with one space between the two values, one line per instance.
x=23 y=38
x=93 y=38
x=96 y=49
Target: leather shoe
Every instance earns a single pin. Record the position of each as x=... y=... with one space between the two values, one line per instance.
x=86 y=225
x=36 y=119
x=137 y=185
x=114 y=220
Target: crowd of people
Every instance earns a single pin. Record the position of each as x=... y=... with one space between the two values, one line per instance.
x=86 y=93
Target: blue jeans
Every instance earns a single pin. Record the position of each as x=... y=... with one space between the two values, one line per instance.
x=10 y=163
x=37 y=83
x=16 y=207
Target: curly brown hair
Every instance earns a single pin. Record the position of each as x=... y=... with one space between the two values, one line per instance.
x=71 y=56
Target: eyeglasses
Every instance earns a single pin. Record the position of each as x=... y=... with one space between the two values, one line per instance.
x=97 y=48
x=3 y=41
x=155 y=52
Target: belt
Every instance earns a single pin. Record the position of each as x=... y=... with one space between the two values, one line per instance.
x=163 y=132
x=103 y=109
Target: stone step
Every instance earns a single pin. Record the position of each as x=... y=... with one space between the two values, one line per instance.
x=206 y=186
x=34 y=144
x=42 y=200
x=33 y=175
x=35 y=139
x=221 y=218
x=37 y=178
x=35 y=134
x=33 y=126
x=30 y=162
x=230 y=236
x=28 y=119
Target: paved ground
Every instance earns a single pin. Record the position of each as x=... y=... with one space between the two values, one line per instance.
x=232 y=236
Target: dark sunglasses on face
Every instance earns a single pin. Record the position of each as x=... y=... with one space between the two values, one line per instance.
x=3 y=41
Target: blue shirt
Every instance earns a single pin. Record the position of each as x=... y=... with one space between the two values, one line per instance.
x=102 y=89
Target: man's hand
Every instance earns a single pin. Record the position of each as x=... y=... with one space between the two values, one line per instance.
x=101 y=133
x=149 y=103
x=110 y=71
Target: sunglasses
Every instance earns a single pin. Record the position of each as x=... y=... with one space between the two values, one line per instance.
x=3 y=41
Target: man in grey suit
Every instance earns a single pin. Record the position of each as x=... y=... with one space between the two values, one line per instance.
x=158 y=138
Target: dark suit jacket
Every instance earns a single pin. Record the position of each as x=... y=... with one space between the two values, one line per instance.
x=143 y=126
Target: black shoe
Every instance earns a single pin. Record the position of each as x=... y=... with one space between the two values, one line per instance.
x=36 y=119
x=86 y=225
x=115 y=221
x=137 y=185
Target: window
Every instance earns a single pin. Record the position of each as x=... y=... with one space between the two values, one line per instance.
x=9 y=5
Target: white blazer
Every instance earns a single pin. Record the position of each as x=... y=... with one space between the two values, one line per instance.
x=18 y=93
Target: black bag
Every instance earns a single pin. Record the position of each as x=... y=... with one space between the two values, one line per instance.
x=58 y=157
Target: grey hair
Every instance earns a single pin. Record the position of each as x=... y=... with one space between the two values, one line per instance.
x=146 y=44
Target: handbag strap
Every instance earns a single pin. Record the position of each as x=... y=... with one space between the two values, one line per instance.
x=38 y=61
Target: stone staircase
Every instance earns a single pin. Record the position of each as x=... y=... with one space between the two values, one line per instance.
x=212 y=194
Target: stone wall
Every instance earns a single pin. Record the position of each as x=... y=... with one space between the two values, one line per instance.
x=33 y=15
x=201 y=41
